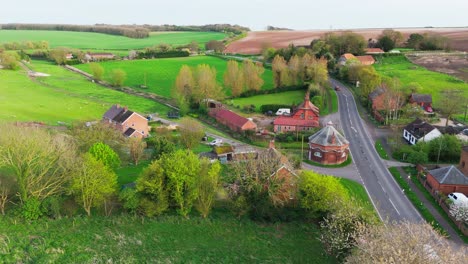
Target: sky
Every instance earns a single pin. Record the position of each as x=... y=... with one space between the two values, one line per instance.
x=255 y=14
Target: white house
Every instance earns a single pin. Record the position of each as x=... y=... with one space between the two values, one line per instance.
x=419 y=130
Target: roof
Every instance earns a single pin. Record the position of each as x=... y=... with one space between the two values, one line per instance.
x=129 y=132
x=365 y=58
x=308 y=105
x=348 y=56
x=421 y=98
x=328 y=136
x=113 y=112
x=419 y=128
x=220 y=150
x=449 y=175
x=120 y=118
x=289 y=121
x=374 y=51
x=377 y=92
x=231 y=117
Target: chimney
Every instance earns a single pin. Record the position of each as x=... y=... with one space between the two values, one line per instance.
x=271 y=145
x=307 y=96
x=125 y=108
x=118 y=106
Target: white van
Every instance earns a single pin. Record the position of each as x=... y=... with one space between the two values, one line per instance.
x=283 y=111
x=458 y=198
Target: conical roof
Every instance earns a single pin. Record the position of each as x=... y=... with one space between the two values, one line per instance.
x=328 y=136
x=307 y=104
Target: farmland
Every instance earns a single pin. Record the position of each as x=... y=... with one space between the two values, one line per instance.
x=432 y=82
x=63 y=96
x=161 y=73
x=98 y=41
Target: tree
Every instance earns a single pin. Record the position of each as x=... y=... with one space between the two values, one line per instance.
x=208 y=183
x=395 y=37
x=86 y=136
x=217 y=46
x=97 y=70
x=191 y=133
x=105 y=154
x=460 y=211
x=417 y=157
x=161 y=145
x=137 y=147
x=414 y=41
x=9 y=60
x=239 y=82
x=184 y=88
x=118 y=77
x=368 y=79
x=93 y=183
x=386 y=43
x=233 y=78
x=206 y=84
x=39 y=160
x=280 y=71
x=346 y=42
x=59 y=55
x=451 y=103
x=193 y=46
x=294 y=67
x=152 y=186
x=404 y=243
x=320 y=194
x=252 y=75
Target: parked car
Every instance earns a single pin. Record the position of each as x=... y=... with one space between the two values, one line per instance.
x=458 y=198
x=337 y=88
x=216 y=142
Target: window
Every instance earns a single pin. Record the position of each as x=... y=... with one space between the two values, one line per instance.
x=318 y=154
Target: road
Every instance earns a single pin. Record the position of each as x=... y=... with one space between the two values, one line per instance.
x=386 y=195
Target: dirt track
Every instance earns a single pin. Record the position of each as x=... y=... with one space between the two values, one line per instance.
x=253 y=43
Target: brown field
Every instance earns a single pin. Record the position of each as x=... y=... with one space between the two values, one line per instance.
x=255 y=41
x=452 y=64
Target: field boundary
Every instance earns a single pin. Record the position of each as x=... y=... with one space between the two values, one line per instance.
x=158 y=98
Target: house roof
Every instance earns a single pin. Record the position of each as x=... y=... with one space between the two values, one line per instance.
x=231 y=117
x=220 y=150
x=120 y=118
x=419 y=128
x=129 y=132
x=365 y=59
x=374 y=51
x=449 y=175
x=376 y=93
x=113 y=112
x=348 y=56
x=308 y=105
x=289 y=121
x=328 y=136
x=421 y=98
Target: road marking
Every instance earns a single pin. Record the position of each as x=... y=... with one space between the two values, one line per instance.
x=394 y=206
x=355 y=131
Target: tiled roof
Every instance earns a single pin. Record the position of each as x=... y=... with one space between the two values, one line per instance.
x=129 y=132
x=365 y=58
x=419 y=128
x=289 y=121
x=123 y=116
x=421 y=98
x=376 y=93
x=328 y=136
x=348 y=56
x=113 y=112
x=374 y=51
x=307 y=104
x=449 y=175
x=231 y=117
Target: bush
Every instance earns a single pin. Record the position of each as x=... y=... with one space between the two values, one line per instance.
x=273 y=91
x=130 y=200
x=32 y=209
x=51 y=206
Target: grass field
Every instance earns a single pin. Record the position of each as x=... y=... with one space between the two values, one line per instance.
x=167 y=239
x=357 y=192
x=161 y=73
x=432 y=82
x=63 y=96
x=290 y=97
x=88 y=40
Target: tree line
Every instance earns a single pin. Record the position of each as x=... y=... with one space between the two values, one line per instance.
x=236 y=29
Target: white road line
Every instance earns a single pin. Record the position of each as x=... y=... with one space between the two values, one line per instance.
x=355 y=131
x=394 y=206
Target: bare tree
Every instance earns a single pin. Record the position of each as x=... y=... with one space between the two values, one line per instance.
x=191 y=133
x=280 y=70
x=137 y=147
x=451 y=103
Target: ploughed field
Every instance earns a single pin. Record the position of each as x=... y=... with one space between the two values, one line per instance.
x=99 y=41
x=159 y=75
x=63 y=96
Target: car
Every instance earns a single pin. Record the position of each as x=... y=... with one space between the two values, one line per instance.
x=216 y=142
x=458 y=198
x=337 y=88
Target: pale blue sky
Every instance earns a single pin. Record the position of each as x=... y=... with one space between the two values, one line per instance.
x=256 y=14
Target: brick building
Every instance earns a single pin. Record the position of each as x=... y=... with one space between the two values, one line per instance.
x=305 y=117
x=130 y=123
x=232 y=120
x=328 y=146
x=422 y=100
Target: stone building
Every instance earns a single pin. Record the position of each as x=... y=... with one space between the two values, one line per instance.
x=328 y=146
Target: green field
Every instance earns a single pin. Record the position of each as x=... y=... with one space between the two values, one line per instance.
x=63 y=96
x=357 y=192
x=167 y=239
x=88 y=40
x=432 y=82
x=161 y=73
x=288 y=98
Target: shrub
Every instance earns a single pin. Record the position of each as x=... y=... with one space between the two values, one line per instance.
x=32 y=209
x=130 y=199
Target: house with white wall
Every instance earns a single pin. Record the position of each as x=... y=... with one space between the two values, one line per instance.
x=419 y=130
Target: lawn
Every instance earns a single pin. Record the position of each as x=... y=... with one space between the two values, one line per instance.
x=63 y=96
x=358 y=192
x=89 y=40
x=168 y=239
x=160 y=74
x=288 y=98
x=380 y=150
x=432 y=82
x=130 y=173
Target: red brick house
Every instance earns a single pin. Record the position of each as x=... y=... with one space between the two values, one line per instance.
x=366 y=59
x=232 y=120
x=328 y=146
x=305 y=117
x=130 y=123
x=422 y=100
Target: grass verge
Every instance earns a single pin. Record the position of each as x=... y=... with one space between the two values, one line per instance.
x=379 y=148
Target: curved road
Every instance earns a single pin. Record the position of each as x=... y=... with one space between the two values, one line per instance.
x=386 y=195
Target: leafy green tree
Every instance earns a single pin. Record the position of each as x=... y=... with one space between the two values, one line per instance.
x=451 y=103
x=206 y=85
x=386 y=43
x=152 y=186
x=368 y=79
x=414 y=41
x=118 y=77
x=93 y=183
x=86 y=136
x=321 y=194
x=446 y=148
x=280 y=71
x=9 y=60
x=130 y=199
x=191 y=133
x=59 y=55
x=161 y=145
x=137 y=149
x=208 y=183
x=105 y=154
x=253 y=75
x=97 y=71
x=417 y=157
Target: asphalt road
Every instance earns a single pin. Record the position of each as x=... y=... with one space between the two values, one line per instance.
x=385 y=193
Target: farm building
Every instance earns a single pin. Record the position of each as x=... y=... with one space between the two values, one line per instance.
x=130 y=123
x=447 y=180
x=380 y=100
x=232 y=120
x=328 y=146
x=418 y=130
x=374 y=51
x=98 y=56
x=345 y=58
x=305 y=117
x=364 y=60
x=422 y=100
